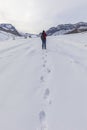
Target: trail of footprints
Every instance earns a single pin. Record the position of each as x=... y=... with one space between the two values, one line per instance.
x=42 y=118
x=46 y=93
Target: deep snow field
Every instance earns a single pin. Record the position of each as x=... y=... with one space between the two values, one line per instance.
x=44 y=89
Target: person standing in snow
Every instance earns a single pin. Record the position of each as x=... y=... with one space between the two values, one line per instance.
x=43 y=38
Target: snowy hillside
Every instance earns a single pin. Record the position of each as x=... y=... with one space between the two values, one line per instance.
x=44 y=89
x=9 y=28
x=6 y=36
x=67 y=29
x=3 y=36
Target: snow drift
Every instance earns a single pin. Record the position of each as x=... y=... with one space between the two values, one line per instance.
x=44 y=89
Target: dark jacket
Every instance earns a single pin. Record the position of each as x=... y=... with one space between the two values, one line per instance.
x=43 y=35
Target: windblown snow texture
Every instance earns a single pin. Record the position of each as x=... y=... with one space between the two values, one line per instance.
x=44 y=89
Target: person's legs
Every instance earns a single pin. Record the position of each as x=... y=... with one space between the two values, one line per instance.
x=44 y=44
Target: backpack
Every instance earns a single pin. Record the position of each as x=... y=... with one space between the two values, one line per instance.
x=43 y=36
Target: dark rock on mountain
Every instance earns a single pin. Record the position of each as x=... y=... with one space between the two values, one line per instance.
x=67 y=29
x=10 y=29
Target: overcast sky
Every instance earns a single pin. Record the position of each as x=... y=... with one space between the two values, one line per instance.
x=35 y=15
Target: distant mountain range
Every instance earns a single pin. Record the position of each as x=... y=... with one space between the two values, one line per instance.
x=67 y=29
x=58 y=30
x=9 y=28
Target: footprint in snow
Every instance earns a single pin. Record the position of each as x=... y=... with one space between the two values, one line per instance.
x=42 y=116
x=48 y=70
x=42 y=78
x=47 y=92
x=50 y=102
x=46 y=96
x=44 y=65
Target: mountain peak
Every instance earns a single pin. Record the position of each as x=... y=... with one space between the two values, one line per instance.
x=9 y=28
x=67 y=29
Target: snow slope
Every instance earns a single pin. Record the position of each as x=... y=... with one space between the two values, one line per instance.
x=44 y=89
x=3 y=36
x=6 y=36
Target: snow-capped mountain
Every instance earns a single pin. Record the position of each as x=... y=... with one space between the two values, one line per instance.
x=67 y=29
x=9 y=28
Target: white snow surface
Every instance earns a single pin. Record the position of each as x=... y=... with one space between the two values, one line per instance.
x=3 y=36
x=44 y=89
x=6 y=36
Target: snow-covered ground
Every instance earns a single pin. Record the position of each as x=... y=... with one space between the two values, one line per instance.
x=44 y=89
x=6 y=36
